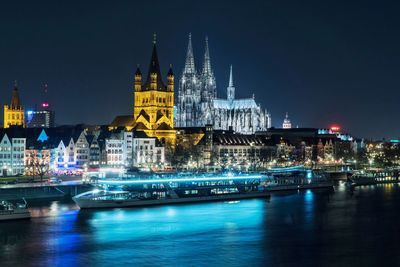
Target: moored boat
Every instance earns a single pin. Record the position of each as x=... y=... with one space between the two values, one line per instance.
x=282 y=179
x=173 y=189
x=9 y=211
x=373 y=177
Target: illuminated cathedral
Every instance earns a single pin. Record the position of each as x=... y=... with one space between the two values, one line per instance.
x=154 y=102
x=198 y=104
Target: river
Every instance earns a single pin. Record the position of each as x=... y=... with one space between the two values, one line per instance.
x=337 y=227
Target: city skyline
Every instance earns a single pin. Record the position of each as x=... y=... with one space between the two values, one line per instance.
x=80 y=57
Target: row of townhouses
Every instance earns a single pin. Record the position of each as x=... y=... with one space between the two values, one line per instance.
x=64 y=149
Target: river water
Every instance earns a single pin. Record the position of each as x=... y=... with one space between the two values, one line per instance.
x=308 y=228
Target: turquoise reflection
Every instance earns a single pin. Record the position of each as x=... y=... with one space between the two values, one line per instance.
x=207 y=225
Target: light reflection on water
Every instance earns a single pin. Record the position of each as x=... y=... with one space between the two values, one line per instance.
x=305 y=228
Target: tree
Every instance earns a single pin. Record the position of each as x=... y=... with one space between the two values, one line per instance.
x=38 y=163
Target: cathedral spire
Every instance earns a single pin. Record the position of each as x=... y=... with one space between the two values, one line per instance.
x=189 y=64
x=207 y=62
x=231 y=88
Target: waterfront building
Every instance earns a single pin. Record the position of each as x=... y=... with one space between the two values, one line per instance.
x=115 y=152
x=12 y=155
x=154 y=102
x=286 y=122
x=147 y=152
x=82 y=151
x=284 y=150
x=128 y=148
x=14 y=114
x=118 y=148
x=94 y=152
x=198 y=104
x=231 y=150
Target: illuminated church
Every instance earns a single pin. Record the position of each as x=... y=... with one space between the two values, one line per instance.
x=14 y=113
x=154 y=102
x=198 y=104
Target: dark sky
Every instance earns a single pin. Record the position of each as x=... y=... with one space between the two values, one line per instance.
x=322 y=61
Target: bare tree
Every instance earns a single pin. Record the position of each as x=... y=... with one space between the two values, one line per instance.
x=38 y=163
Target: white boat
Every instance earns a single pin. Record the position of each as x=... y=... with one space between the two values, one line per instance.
x=9 y=211
x=170 y=190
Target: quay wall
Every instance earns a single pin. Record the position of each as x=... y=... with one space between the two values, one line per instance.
x=43 y=192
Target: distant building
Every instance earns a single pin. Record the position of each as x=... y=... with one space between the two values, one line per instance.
x=286 y=122
x=230 y=150
x=43 y=117
x=40 y=118
x=14 y=113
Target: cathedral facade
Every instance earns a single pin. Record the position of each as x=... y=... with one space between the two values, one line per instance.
x=198 y=104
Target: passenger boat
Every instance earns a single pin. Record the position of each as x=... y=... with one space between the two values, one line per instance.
x=296 y=178
x=179 y=188
x=373 y=177
x=9 y=211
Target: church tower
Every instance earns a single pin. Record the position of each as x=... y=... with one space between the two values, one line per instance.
x=154 y=102
x=14 y=113
x=189 y=92
x=208 y=88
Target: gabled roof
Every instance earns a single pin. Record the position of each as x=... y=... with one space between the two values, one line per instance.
x=140 y=126
x=164 y=126
x=122 y=121
x=144 y=114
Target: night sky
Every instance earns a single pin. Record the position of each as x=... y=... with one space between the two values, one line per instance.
x=322 y=61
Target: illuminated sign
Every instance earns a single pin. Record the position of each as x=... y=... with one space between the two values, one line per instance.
x=335 y=128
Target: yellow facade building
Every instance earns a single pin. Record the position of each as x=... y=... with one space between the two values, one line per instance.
x=154 y=102
x=14 y=114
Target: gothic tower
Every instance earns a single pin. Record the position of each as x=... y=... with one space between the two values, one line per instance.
x=208 y=89
x=14 y=113
x=189 y=92
x=154 y=102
